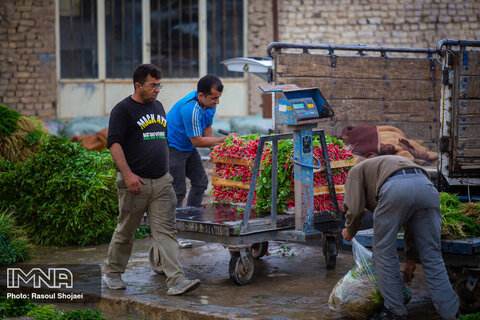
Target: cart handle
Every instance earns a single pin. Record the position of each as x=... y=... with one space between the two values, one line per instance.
x=295 y=161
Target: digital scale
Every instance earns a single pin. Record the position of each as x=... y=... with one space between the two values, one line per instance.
x=301 y=109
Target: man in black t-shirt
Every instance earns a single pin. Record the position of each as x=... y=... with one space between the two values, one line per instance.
x=137 y=133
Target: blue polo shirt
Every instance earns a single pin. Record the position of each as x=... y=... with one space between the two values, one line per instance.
x=187 y=119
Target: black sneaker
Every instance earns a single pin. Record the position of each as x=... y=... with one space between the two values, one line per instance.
x=385 y=314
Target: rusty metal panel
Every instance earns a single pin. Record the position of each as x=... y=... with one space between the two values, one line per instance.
x=469 y=87
x=469 y=63
x=402 y=92
x=384 y=90
x=205 y=228
x=468 y=107
x=413 y=68
x=466 y=113
x=357 y=67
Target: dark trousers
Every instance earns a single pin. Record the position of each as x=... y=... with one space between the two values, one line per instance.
x=411 y=199
x=188 y=164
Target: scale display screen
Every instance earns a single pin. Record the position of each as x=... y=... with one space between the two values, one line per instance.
x=297 y=106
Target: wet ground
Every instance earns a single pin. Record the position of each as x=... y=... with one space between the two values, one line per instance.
x=284 y=287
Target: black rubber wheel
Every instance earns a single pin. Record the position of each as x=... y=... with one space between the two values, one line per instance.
x=238 y=273
x=259 y=249
x=154 y=259
x=330 y=254
x=469 y=300
x=331 y=261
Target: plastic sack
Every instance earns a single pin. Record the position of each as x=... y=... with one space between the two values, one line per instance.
x=84 y=125
x=357 y=295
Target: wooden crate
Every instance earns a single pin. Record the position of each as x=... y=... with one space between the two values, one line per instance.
x=222 y=182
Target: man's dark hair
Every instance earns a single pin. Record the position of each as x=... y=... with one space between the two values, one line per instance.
x=143 y=70
x=209 y=82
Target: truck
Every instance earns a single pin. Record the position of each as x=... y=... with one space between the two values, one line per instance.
x=431 y=94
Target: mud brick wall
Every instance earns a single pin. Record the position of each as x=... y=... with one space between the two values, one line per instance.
x=27 y=57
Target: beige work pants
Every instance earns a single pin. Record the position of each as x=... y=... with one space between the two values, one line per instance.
x=159 y=201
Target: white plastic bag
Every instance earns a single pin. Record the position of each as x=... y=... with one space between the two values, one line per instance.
x=357 y=295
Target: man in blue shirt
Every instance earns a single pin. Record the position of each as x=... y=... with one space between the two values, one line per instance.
x=189 y=126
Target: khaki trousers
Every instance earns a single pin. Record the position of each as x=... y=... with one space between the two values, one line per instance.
x=158 y=200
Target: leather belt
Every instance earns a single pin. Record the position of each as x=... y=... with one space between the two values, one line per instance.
x=407 y=171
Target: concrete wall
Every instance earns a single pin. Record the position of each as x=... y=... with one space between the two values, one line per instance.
x=27 y=57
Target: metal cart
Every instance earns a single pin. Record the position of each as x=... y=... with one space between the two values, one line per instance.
x=245 y=232
x=247 y=236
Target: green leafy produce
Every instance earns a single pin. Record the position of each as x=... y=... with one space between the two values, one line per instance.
x=285 y=169
x=357 y=295
x=13 y=246
x=471 y=316
x=62 y=195
x=10 y=308
x=8 y=120
x=142 y=232
x=46 y=312
x=20 y=136
x=81 y=315
x=460 y=220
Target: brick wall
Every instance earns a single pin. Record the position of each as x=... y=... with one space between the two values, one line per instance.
x=395 y=23
x=27 y=57
x=260 y=34
x=27 y=37
x=417 y=23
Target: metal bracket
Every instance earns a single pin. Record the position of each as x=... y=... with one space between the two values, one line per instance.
x=295 y=161
x=246 y=264
x=333 y=60
x=432 y=62
x=298 y=236
x=472 y=282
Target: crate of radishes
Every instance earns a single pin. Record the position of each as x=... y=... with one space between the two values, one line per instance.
x=233 y=163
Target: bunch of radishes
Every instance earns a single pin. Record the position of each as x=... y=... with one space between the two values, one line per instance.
x=245 y=147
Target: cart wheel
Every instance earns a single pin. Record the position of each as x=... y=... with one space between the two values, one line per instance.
x=259 y=249
x=331 y=261
x=240 y=273
x=331 y=253
x=469 y=300
x=154 y=259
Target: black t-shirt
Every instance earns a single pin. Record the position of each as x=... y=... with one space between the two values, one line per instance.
x=141 y=130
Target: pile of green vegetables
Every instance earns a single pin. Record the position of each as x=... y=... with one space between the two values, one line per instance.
x=285 y=170
x=460 y=220
x=13 y=246
x=14 y=308
x=63 y=194
x=20 y=136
